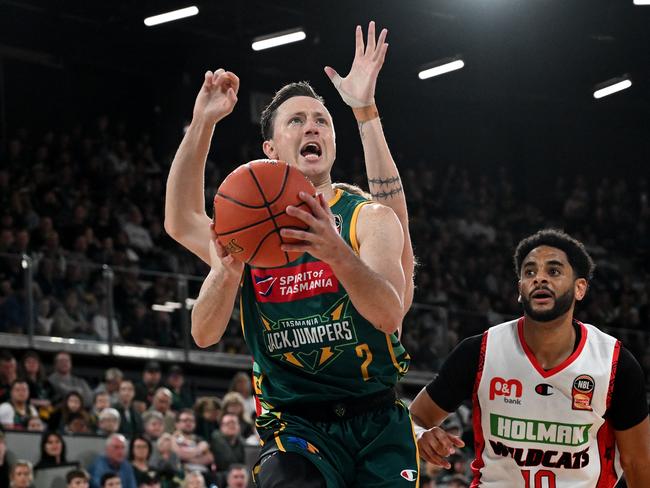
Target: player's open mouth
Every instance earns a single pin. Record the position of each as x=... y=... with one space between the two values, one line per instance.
x=541 y=296
x=311 y=151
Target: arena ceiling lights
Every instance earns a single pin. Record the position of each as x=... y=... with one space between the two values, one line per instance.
x=441 y=67
x=641 y=2
x=278 y=39
x=171 y=16
x=611 y=86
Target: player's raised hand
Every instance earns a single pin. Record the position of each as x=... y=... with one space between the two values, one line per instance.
x=217 y=96
x=436 y=444
x=358 y=88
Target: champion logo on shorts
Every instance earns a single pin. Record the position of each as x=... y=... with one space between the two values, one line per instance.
x=409 y=474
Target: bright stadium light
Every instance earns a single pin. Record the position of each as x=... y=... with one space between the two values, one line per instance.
x=171 y=16
x=611 y=86
x=440 y=68
x=641 y=2
x=278 y=39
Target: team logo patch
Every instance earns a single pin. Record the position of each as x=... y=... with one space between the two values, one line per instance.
x=544 y=389
x=280 y=285
x=583 y=392
x=312 y=342
x=507 y=389
x=409 y=474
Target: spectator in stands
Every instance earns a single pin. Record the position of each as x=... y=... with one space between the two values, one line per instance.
x=139 y=454
x=21 y=474
x=234 y=403
x=145 y=389
x=78 y=423
x=70 y=319
x=154 y=425
x=207 y=411
x=63 y=381
x=227 y=443
x=194 y=452
x=101 y=401
x=8 y=373
x=5 y=462
x=52 y=451
x=112 y=379
x=77 y=478
x=109 y=422
x=113 y=461
x=35 y=424
x=161 y=402
x=181 y=395
x=15 y=413
x=165 y=461
x=31 y=369
x=110 y=480
x=44 y=317
x=194 y=479
x=130 y=419
x=237 y=476
x=71 y=408
x=242 y=384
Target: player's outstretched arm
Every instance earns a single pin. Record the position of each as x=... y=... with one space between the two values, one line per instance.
x=213 y=307
x=185 y=217
x=434 y=443
x=357 y=90
x=634 y=446
x=374 y=280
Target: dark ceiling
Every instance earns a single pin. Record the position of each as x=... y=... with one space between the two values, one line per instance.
x=522 y=56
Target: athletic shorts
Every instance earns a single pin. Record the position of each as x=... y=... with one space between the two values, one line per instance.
x=376 y=449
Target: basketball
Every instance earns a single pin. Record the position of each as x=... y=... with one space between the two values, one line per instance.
x=250 y=210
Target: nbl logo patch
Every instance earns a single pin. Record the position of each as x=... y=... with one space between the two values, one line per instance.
x=583 y=392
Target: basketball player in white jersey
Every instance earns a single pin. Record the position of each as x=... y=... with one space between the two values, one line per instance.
x=556 y=403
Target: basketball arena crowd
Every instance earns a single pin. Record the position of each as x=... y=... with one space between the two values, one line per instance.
x=72 y=201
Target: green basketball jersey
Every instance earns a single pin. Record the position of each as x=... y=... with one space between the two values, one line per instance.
x=308 y=342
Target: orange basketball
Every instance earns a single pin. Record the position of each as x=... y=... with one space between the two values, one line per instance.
x=250 y=209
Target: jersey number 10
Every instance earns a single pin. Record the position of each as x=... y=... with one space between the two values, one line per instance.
x=538 y=479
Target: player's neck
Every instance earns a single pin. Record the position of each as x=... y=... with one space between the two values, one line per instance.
x=551 y=342
x=326 y=189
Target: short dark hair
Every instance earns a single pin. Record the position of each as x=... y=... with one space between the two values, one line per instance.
x=107 y=476
x=579 y=259
x=297 y=89
x=139 y=437
x=76 y=473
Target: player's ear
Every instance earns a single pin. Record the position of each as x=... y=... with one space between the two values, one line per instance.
x=269 y=149
x=519 y=290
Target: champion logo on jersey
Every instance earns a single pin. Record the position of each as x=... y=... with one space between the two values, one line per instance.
x=264 y=284
x=544 y=389
x=409 y=474
x=338 y=221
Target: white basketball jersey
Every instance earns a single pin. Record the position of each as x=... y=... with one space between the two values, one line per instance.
x=544 y=429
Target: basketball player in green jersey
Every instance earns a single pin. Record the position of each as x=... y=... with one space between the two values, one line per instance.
x=323 y=329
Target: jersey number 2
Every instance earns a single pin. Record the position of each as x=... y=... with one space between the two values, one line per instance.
x=364 y=351
x=542 y=474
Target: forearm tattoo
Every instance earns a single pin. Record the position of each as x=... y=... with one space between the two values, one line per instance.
x=385 y=188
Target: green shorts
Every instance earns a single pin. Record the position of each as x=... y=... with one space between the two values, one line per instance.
x=374 y=450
